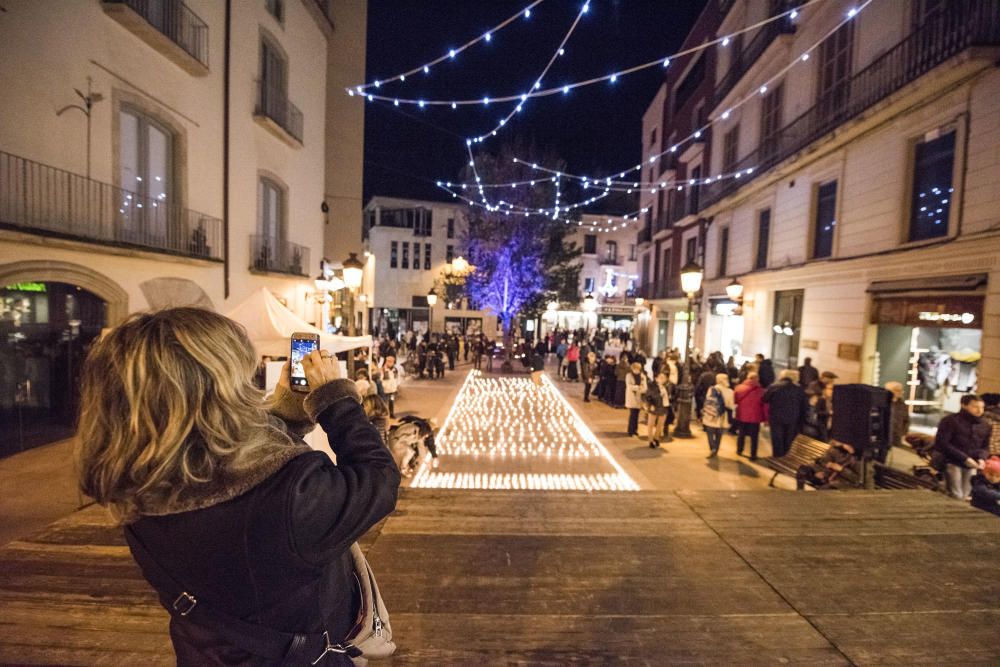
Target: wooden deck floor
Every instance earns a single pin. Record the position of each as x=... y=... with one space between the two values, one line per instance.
x=544 y=578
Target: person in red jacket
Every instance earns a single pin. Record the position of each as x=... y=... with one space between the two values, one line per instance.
x=749 y=413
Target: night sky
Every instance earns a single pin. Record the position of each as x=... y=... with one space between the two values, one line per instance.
x=595 y=129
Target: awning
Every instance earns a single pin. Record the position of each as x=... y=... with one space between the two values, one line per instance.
x=966 y=283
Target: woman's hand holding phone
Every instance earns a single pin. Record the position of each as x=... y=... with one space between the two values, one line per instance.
x=320 y=369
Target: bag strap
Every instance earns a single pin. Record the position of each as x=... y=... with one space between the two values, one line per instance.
x=289 y=648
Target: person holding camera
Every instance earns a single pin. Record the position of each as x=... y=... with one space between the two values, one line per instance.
x=219 y=496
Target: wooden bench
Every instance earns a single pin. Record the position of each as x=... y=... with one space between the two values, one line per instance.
x=891 y=478
x=805 y=451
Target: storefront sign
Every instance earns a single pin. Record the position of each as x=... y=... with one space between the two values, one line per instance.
x=965 y=312
x=964 y=318
x=617 y=310
x=724 y=307
x=849 y=351
x=26 y=287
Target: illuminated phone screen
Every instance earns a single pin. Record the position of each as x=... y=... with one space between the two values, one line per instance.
x=300 y=348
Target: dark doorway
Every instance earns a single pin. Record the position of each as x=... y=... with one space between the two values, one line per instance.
x=45 y=332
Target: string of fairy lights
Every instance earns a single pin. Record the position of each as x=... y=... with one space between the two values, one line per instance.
x=537 y=91
x=697 y=134
x=607 y=184
x=450 y=54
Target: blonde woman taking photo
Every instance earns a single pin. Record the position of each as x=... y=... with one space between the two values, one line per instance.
x=219 y=496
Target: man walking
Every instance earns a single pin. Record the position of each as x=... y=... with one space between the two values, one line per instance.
x=788 y=404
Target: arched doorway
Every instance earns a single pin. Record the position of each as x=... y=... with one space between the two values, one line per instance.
x=46 y=328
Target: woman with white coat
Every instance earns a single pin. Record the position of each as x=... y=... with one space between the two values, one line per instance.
x=714 y=417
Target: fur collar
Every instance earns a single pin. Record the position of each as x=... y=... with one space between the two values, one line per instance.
x=275 y=448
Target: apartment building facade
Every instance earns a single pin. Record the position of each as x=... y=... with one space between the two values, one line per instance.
x=154 y=154
x=672 y=231
x=411 y=248
x=867 y=236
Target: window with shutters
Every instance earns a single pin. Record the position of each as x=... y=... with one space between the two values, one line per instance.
x=770 y=122
x=723 y=251
x=730 y=150
x=825 y=221
x=834 y=80
x=763 y=238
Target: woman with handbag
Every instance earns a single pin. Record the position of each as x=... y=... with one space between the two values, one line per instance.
x=245 y=532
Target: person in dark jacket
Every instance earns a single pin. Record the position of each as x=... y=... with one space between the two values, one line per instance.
x=807 y=373
x=986 y=487
x=787 y=404
x=963 y=439
x=621 y=373
x=765 y=371
x=230 y=502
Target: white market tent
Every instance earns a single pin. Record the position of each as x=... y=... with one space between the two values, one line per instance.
x=270 y=325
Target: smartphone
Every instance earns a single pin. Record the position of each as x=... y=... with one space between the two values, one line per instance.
x=302 y=344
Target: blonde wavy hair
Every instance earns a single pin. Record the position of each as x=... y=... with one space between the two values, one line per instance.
x=167 y=398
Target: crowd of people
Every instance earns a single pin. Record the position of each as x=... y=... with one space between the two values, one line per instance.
x=739 y=399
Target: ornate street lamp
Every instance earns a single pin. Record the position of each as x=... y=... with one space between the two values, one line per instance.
x=353 y=271
x=691 y=277
x=432 y=299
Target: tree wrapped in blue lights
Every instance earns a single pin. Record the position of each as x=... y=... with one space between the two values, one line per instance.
x=521 y=261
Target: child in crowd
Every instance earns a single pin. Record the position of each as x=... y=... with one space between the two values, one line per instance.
x=986 y=487
x=377 y=413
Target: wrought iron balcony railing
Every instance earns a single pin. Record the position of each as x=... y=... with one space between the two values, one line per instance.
x=273 y=103
x=962 y=24
x=175 y=21
x=40 y=199
x=270 y=254
x=645 y=234
x=609 y=259
x=745 y=59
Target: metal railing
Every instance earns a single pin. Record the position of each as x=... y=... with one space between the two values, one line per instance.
x=270 y=254
x=964 y=23
x=40 y=199
x=272 y=102
x=607 y=258
x=174 y=20
x=745 y=59
x=645 y=235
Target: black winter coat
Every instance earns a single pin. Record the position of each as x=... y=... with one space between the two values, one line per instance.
x=963 y=436
x=277 y=553
x=787 y=403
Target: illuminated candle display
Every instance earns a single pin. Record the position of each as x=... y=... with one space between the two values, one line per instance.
x=508 y=433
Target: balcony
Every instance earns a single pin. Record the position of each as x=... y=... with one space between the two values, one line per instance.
x=610 y=259
x=273 y=255
x=753 y=51
x=965 y=24
x=645 y=235
x=169 y=26
x=39 y=199
x=277 y=114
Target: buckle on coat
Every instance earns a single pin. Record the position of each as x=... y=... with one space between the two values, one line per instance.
x=332 y=648
x=184 y=603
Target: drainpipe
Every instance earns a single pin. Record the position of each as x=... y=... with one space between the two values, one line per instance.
x=225 y=151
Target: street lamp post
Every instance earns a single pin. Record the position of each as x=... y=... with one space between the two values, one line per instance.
x=691 y=276
x=589 y=306
x=432 y=299
x=353 y=274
